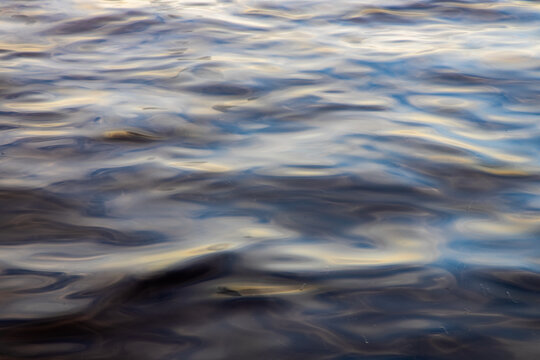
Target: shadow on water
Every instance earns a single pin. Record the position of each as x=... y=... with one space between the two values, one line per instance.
x=246 y=179
x=442 y=314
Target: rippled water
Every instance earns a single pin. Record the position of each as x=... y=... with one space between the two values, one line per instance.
x=269 y=180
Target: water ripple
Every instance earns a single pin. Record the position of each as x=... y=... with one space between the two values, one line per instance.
x=253 y=179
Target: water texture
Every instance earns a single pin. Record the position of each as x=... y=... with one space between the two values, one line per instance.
x=269 y=179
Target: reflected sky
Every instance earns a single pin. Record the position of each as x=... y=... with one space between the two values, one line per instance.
x=329 y=180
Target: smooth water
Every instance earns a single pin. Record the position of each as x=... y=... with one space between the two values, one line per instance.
x=269 y=180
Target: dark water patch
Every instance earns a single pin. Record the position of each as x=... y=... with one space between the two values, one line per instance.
x=86 y=25
x=380 y=16
x=27 y=230
x=81 y=77
x=178 y=297
x=451 y=77
x=221 y=90
x=35 y=116
x=346 y=107
x=135 y=26
x=26 y=95
x=7 y=127
x=323 y=206
x=28 y=54
x=36 y=216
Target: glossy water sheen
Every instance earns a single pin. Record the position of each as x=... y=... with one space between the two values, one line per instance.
x=269 y=180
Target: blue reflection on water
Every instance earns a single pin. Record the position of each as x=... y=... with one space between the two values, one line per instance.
x=245 y=179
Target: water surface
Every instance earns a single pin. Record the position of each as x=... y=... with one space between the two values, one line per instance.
x=269 y=180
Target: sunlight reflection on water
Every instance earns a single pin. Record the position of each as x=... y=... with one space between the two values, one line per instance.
x=330 y=180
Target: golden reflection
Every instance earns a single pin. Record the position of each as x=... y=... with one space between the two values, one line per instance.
x=135 y=135
x=424 y=118
x=264 y=232
x=63 y=103
x=524 y=218
x=305 y=172
x=154 y=261
x=28 y=47
x=197 y=165
x=394 y=245
x=502 y=171
x=432 y=136
x=63 y=132
x=493 y=228
x=256 y=289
